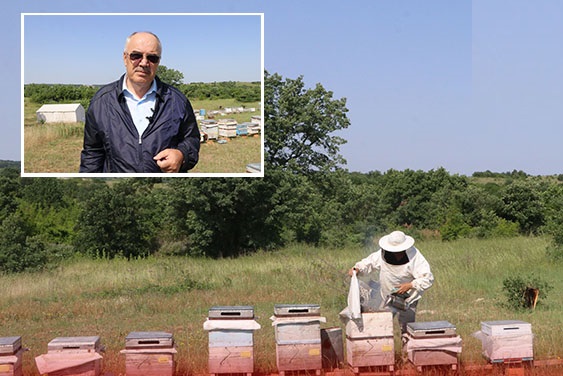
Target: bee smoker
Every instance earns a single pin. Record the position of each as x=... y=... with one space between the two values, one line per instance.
x=397 y=301
x=402 y=301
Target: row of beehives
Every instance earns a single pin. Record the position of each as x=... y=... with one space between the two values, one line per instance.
x=301 y=344
x=228 y=128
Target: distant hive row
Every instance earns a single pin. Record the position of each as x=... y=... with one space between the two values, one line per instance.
x=229 y=128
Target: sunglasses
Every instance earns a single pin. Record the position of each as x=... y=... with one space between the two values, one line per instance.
x=136 y=56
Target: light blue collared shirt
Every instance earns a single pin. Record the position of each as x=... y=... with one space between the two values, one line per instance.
x=140 y=108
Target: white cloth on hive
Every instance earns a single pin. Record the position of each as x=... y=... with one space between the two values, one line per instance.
x=296 y=319
x=452 y=344
x=230 y=324
x=52 y=362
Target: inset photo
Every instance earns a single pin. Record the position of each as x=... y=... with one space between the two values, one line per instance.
x=148 y=95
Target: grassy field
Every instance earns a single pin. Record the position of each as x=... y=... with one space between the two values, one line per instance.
x=55 y=148
x=111 y=298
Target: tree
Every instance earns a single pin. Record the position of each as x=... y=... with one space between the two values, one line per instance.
x=9 y=191
x=111 y=223
x=169 y=76
x=299 y=125
x=521 y=203
x=225 y=217
x=20 y=248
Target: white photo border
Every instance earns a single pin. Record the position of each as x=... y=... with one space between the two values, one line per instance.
x=144 y=175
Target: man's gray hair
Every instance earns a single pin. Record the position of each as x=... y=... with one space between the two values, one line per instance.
x=148 y=32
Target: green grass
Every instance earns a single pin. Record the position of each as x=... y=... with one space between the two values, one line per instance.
x=111 y=298
x=55 y=148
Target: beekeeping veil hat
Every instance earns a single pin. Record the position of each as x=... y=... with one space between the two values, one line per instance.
x=396 y=241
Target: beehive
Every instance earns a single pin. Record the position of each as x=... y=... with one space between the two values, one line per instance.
x=149 y=354
x=242 y=129
x=210 y=128
x=254 y=129
x=433 y=343
x=227 y=128
x=71 y=356
x=298 y=337
x=369 y=342
x=11 y=352
x=507 y=340
x=231 y=344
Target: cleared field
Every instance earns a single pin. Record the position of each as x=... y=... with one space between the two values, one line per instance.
x=55 y=148
x=111 y=298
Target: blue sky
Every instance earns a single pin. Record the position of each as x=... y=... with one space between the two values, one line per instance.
x=465 y=85
x=206 y=48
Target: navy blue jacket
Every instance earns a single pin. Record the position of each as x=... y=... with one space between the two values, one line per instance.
x=111 y=140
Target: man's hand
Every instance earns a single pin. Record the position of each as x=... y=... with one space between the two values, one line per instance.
x=404 y=287
x=169 y=160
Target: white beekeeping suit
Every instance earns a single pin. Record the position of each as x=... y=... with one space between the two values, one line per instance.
x=401 y=267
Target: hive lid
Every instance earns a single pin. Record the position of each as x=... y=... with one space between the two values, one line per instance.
x=431 y=329
x=506 y=327
x=149 y=340
x=10 y=345
x=297 y=310
x=231 y=312
x=70 y=344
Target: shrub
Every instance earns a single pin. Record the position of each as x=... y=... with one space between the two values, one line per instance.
x=519 y=291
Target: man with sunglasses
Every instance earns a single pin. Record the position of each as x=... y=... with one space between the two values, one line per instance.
x=403 y=271
x=139 y=124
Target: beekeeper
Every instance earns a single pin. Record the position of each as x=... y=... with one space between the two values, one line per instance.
x=402 y=270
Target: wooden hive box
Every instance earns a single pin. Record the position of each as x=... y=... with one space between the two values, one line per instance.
x=242 y=129
x=70 y=345
x=11 y=353
x=227 y=127
x=90 y=369
x=507 y=340
x=211 y=128
x=231 y=339
x=432 y=343
x=227 y=131
x=370 y=352
x=431 y=329
x=149 y=354
x=433 y=358
x=231 y=359
x=370 y=342
x=78 y=356
x=298 y=337
x=505 y=327
x=254 y=129
x=297 y=357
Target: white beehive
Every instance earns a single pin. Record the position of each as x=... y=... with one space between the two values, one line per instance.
x=298 y=337
x=369 y=342
x=231 y=339
x=210 y=128
x=507 y=340
x=432 y=343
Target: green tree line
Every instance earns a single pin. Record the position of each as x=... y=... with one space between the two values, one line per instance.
x=58 y=93
x=46 y=219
